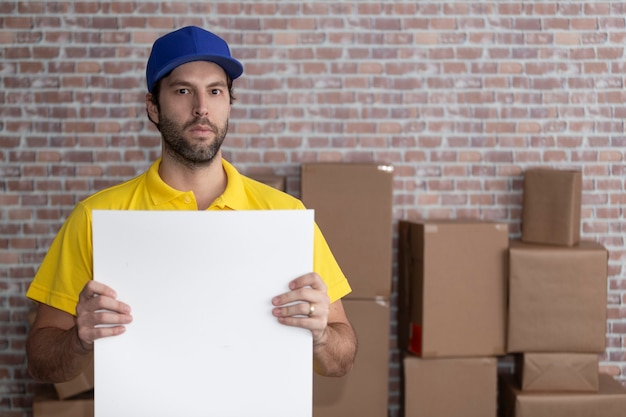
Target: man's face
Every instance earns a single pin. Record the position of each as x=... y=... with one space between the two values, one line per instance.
x=193 y=115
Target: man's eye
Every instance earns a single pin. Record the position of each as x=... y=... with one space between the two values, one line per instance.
x=216 y=92
x=183 y=91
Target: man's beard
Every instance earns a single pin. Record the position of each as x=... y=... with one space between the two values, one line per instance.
x=190 y=153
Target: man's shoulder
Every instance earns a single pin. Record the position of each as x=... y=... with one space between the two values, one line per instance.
x=120 y=196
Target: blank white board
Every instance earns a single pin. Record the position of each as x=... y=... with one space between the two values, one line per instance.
x=203 y=341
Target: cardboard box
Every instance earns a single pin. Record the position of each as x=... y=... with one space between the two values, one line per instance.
x=559 y=372
x=353 y=208
x=83 y=382
x=452 y=288
x=557 y=298
x=47 y=404
x=445 y=387
x=276 y=181
x=551 y=206
x=364 y=391
x=609 y=401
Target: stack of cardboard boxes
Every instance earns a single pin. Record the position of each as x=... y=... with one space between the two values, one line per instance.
x=353 y=208
x=557 y=308
x=73 y=398
x=467 y=294
x=451 y=315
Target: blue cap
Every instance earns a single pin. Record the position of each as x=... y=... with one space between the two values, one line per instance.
x=189 y=44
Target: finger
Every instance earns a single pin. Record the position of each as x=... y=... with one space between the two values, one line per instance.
x=95 y=288
x=110 y=304
x=303 y=310
x=311 y=279
x=305 y=294
x=88 y=335
x=101 y=303
x=293 y=296
x=300 y=290
x=102 y=318
x=298 y=309
x=107 y=318
x=101 y=323
x=316 y=323
x=96 y=295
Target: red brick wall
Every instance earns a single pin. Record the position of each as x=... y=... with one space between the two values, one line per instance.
x=461 y=97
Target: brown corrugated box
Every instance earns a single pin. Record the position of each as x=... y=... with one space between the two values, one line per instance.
x=557 y=298
x=609 y=401
x=364 y=391
x=276 y=181
x=353 y=208
x=452 y=288
x=83 y=382
x=558 y=371
x=450 y=387
x=47 y=404
x=551 y=206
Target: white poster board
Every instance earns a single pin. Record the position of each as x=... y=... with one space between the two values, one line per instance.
x=203 y=341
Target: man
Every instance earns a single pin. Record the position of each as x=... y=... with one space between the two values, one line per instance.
x=189 y=76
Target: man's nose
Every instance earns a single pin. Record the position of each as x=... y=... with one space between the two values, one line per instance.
x=201 y=107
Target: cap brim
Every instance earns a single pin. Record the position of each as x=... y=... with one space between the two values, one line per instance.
x=231 y=66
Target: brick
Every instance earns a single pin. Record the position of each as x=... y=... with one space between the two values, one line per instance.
x=593 y=38
x=160 y=22
x=611 y=23
x=79 y=127
x=595 y=67
x=86 y=7
x=584 y=24
x=102 y=22
x=24 y=243
x=131 y=22
x=17 y=22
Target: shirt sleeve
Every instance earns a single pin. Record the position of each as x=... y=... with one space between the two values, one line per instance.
x=67 y=266
x=326 y=266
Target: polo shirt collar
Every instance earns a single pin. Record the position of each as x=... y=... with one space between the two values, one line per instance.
x=159 y=191
x=234 y=196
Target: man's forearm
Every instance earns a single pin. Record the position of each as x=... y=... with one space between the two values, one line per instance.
x=334 y=355
x=56 y=355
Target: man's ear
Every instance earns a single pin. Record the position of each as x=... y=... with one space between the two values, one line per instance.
x=152 y=109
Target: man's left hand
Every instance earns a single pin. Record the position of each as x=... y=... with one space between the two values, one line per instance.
x=306 y=305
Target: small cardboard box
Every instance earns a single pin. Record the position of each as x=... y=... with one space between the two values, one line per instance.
x=47 y=404
x=83 y=382
x=559 y=371
x=353 y=208
x=452 y=288
x=609 y=401
x=557 y=298
x=445 y=387
x=276 y=181
x=551 y=206
x=364 y=391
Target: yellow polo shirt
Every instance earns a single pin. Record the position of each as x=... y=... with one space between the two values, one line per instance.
x=68 y=265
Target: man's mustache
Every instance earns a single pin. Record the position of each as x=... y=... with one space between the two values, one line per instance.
x=201 y=122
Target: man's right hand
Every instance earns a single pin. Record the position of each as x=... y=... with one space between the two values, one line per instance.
x=99 y=313
x=60 y=345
